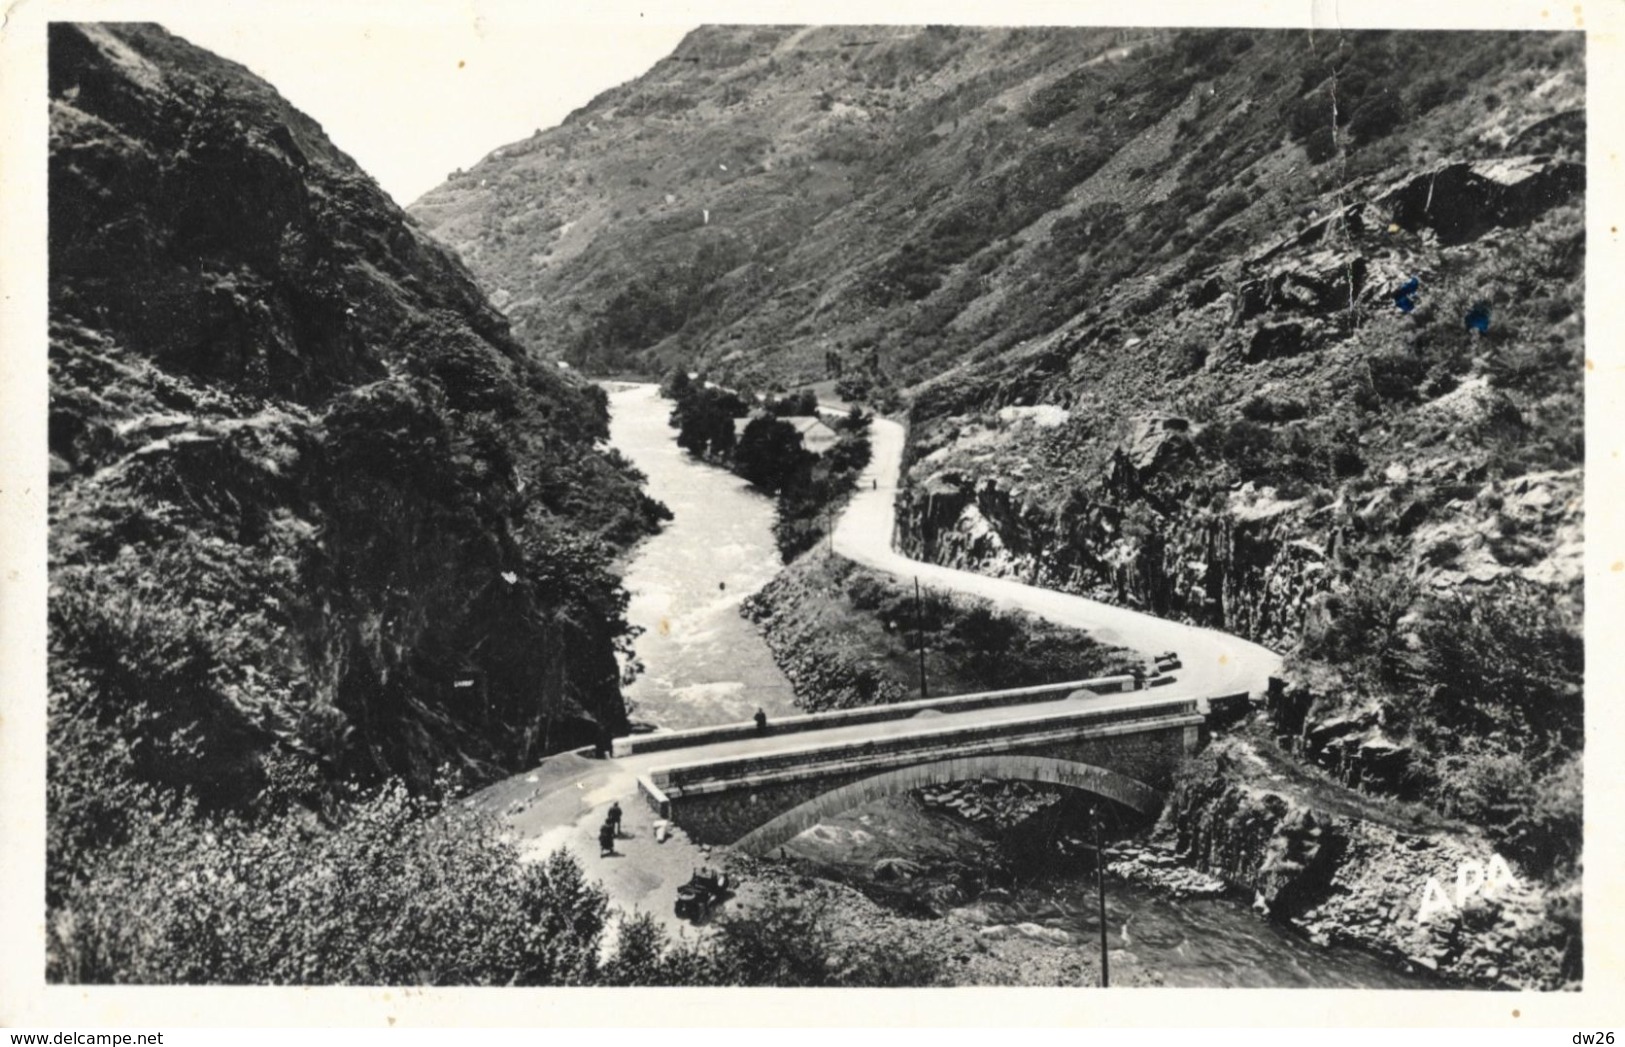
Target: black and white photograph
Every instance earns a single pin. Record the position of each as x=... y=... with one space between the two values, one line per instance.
x=866 y=503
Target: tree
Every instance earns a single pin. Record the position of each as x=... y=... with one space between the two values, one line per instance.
x=1505 y=661
x=990 y=639
x=855 y=421
x=770 y=454
x=804 y=402
x=704 y=420
x=677 y=384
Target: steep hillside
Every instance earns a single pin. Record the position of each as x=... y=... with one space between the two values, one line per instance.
x=314 y=514
x=1278 y=331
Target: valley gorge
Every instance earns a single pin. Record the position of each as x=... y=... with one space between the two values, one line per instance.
x=1275 y=333
x=1168 y=330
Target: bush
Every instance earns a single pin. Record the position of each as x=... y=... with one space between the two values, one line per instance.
x=792 y=943
x=803 y=403
x=1396 y=376
x=1190 y=356
x=397 y=893
x=1505 y=662
x=1533 y=815
x=1360 y=632
x=1230 y=204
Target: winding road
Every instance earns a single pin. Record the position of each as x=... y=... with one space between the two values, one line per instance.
x=1214 y=662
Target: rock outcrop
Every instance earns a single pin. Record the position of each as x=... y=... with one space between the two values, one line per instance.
x=1462 y=200
x=1438 y=899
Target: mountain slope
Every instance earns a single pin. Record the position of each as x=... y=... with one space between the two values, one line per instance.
x=314 y=513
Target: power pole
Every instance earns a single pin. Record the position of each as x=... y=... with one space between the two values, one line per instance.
x=919 y=633
x=1100 y=891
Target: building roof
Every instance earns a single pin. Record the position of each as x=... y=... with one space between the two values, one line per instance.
x=805 y=423
x=814 y=431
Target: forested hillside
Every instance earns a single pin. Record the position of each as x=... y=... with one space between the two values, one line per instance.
x=316 y=518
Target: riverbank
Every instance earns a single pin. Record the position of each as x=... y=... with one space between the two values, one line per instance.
x=846 y=636
x=959 y=952
x=1012 y=861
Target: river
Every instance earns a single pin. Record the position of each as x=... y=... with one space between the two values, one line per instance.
x=703 y=662
x=706 y=664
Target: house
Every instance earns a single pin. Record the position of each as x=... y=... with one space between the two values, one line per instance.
x=816 y=435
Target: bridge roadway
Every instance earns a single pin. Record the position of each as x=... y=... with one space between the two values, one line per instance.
x=922 y=724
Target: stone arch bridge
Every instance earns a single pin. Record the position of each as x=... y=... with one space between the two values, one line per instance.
x=757 y=789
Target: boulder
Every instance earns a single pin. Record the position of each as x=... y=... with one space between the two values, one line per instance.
x=1322 y=281
x=896 y=869
x=1382 y=763
x=1463 y=200
x=1156 y=441
x=1279 y=340
x=1321 y=734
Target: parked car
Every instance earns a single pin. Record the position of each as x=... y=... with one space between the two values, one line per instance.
x=704 y=891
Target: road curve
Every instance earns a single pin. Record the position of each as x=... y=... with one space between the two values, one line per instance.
x=1214 y=662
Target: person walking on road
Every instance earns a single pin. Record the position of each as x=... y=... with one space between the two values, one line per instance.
x=615 y=817
x=606 y=840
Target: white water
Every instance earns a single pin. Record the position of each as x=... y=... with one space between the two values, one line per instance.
x=703 y=662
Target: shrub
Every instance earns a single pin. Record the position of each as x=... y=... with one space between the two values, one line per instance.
x=397 y=893
x=1505 y=661
x=1190 y=356
x=1533 y=815
x=1396 y=376
x=789 y=943
x=1361 y=630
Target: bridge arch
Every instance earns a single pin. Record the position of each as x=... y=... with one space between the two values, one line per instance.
x=1122 y=789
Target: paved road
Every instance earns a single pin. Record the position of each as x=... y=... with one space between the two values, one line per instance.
x=1214 y=662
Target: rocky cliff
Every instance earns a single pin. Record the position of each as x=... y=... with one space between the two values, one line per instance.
x=1433 y=896
x=314 y=513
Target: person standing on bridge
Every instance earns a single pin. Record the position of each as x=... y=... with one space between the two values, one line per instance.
x=761 y=721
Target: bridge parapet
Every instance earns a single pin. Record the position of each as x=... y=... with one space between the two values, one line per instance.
x=667 y=740
x=715 y=775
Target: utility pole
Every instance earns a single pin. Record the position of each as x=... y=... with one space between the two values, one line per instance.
x=1100 y=891
x=919 y=633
